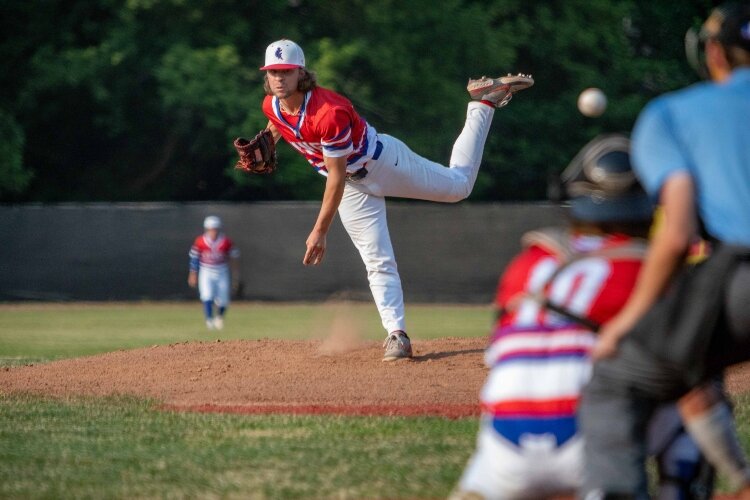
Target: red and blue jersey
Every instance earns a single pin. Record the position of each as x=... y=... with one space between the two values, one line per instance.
x=326 y=125
x=212 y=255
x=540 y=360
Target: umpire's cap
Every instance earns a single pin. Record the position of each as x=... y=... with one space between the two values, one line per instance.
x=728 y=24
x=733 y=21
x=601 y=185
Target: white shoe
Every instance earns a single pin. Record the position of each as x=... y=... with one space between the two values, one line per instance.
x=498 y=91
x=397 y=346
x=210 y=324
x=219 y=323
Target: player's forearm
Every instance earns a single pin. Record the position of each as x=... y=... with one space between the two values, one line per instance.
x=332 y=195
x=331 y=201
x=667 y=249
x=194 y=264
x=662 y=261
x=274 y=131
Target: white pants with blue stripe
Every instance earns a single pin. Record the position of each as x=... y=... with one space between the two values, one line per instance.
x=214 y=285
x=538 y=469
x=399 y=172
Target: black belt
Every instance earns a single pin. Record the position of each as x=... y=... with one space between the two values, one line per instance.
x=362 y=172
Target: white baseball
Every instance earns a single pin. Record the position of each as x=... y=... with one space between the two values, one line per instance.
x=592 y=102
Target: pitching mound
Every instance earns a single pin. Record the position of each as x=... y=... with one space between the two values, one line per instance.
x=274 y=376
x=277 y=376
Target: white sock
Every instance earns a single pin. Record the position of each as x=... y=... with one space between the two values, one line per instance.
x=716 y=435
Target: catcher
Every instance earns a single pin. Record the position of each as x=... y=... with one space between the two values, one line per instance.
x=362 y=167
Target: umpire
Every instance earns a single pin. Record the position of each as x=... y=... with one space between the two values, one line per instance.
x=683 y=325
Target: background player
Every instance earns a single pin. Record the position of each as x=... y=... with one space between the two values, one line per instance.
x=363 y=167
x=551 y=298
x=211 y=256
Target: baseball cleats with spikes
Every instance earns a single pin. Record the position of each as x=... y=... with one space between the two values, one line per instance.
x=498 y=91
x=397 y=346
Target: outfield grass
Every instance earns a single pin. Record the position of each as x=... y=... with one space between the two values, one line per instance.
x=123 y=448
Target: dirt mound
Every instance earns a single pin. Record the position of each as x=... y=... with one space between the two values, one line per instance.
x=279 y=376
x=263 y=376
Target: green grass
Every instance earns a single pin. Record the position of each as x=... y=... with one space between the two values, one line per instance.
x=123 y=448
x=40 y=332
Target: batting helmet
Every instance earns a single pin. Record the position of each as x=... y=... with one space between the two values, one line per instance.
x=212 y=222
x=600 y=183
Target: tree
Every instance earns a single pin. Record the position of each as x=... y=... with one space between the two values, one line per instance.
x=13 y=176
x=141 y=99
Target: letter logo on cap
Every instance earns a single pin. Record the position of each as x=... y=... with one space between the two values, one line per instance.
x=279 y=54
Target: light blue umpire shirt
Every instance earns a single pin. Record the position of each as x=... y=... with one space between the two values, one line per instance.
x=704 y=130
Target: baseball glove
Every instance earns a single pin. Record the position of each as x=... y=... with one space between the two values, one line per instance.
x=257 y=155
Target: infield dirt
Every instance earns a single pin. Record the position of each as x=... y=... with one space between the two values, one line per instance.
x=333 y=376
x=274 y=376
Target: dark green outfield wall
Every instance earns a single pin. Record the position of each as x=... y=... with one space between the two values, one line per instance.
x=138 y=251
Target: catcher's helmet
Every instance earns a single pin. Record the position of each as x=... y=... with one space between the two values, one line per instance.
x=212 y=222
x=600 y=183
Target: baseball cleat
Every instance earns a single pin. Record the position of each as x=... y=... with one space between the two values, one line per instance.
x=210 y=324
x=397 y=346
x=219 y=323
x=498 y=91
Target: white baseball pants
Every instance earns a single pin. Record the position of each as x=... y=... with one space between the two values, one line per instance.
x=500 y=470
x=399 y=172
x=214 y=285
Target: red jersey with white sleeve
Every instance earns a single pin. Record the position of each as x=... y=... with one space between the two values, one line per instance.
x=326 y=125
x=540 y=360
x=212 y=255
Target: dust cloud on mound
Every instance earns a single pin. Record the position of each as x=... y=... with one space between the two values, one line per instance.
x=339 y=328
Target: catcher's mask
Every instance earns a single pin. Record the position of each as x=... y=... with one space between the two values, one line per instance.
x=600 y=183
x=733 y=21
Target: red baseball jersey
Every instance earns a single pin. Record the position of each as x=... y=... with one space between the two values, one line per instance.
x=212 y=254
x=539 y=359
x=595 y=287
x=327 y=125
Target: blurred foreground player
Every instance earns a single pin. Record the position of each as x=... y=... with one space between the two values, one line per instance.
x=211 y=255
x=683 y=324
x=550 y=301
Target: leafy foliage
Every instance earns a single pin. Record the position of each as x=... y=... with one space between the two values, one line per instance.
x=13 y=177
x=140 y=99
